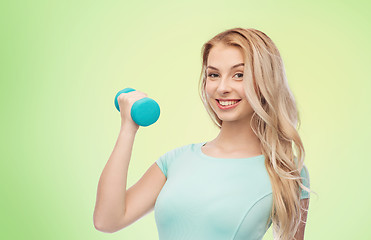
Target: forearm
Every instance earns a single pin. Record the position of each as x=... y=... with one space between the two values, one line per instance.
x=110 y=202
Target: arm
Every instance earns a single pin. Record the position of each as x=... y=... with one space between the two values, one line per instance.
x=117 y=208
x=111 y=192
x=299 y=235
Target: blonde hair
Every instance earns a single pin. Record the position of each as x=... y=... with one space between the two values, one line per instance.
x=274 y=121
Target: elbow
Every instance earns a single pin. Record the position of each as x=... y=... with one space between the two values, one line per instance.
x=106 y=224
x=102 y=226
x=99 y=226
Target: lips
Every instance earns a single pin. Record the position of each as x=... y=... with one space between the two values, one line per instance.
x=228 y=106
x=226 y=100
x=220 y=99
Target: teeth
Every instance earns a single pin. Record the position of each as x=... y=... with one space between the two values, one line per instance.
x=226 y=103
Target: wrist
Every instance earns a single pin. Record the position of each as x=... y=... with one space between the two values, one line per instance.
x=127 y=128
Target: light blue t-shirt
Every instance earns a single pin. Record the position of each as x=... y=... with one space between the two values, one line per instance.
x=208 y=198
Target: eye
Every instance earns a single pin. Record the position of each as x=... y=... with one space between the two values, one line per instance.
x=241 y=75
x=211 y=74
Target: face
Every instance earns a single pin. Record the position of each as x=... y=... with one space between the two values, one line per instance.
x=225 y=82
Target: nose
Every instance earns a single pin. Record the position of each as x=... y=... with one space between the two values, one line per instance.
x=224 y=86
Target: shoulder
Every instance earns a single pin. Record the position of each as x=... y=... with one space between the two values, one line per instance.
x=305 y=174
x=178 y=150
x=304 y=171
x=166 y=159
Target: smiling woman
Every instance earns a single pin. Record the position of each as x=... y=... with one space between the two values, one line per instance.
x=264 y=120
x=224 y=85
x=231 y=187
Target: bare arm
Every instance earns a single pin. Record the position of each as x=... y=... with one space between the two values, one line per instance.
x=115 y=206
x=110 y=202
x=300 y=232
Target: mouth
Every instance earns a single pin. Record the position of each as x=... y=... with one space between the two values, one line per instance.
x=227 y=104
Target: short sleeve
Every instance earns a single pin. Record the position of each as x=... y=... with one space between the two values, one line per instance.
x=165 y=161
x=162 y=163
x=306 y=182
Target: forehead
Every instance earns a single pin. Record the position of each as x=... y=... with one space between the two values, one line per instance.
x=223 y=55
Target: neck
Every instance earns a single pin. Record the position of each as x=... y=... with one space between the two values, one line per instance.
x=237 y=136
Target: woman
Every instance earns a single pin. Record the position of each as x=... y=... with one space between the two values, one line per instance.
x=238 y=184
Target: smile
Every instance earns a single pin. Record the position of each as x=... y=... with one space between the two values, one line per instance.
x=227 y=106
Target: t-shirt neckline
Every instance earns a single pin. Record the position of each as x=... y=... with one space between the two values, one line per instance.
x=203 y=155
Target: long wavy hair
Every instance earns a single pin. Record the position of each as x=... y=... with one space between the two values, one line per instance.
x=274 y=121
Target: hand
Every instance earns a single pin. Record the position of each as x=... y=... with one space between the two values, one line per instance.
x=126 y=101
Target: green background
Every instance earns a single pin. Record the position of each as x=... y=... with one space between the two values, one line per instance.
x=62 y=63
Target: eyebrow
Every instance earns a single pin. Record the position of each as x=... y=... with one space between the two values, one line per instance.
x=237 y=65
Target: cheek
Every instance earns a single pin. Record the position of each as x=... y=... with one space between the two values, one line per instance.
x=207 y=92
x=209 y=97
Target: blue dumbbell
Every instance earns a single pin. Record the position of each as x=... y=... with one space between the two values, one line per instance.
x=144 y=112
